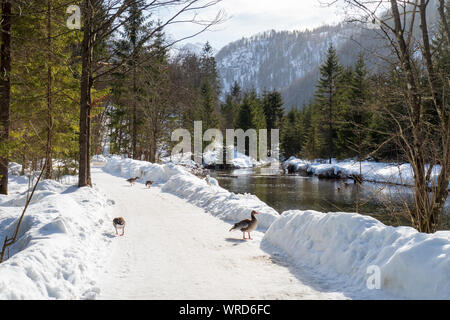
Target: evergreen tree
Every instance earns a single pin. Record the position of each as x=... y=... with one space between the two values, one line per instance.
x=292 y=133
x=313 y=142
x=354 y=117
x=245 y=119
x=327 y=99
x=230 y=107
x=208 y=115
x=208 y=68
x=273 y=109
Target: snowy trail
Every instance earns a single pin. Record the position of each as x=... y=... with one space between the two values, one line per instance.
x=174 y=250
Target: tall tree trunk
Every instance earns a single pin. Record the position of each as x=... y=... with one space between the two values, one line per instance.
x=84 y=99
x=134 y=133
x=5 y=91
x=24 y=164
x=89 y=122
x=330 y=119
x=48 y=153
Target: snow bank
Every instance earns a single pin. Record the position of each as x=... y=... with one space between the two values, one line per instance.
x=99 y=158
x=220 y=202
x=14 y=168
x=59 y=242
x=178 y=181
x=240 y=160
x=412 y=264
x=401 y=174
x=129 y=168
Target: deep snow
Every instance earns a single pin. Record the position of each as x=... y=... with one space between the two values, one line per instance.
x=60 y=240
x=175 y=248
x=335 y=247
x=345 y=245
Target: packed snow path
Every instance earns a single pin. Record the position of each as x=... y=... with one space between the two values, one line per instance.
x=174 y=250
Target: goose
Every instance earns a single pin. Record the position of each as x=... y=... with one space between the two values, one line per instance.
x=119 y=223
x=132 y=180
x=247 y=225
x=149 y=183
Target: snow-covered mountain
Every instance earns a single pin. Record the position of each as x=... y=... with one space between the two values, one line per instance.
x=195 y=48
x=289 y=60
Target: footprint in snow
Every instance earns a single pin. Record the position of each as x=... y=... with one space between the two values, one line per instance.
x=110 y=202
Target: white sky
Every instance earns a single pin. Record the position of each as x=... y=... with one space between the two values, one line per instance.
x=248 y=17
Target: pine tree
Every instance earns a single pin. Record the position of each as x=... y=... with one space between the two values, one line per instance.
x=208 y=106
x=208 y=67
x=230 y=108
x=251 y=114
x=355 y=118
x=273 y=109
x=313 y=142
x=292 y=133
x=327 y=98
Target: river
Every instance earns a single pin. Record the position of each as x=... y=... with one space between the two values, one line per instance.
x=290 y=192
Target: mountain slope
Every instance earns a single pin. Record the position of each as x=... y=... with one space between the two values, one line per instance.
x=289 y=61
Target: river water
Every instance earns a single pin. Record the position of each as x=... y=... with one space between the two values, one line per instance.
x=295 y=192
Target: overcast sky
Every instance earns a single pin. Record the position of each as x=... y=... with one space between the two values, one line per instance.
x=248 y=17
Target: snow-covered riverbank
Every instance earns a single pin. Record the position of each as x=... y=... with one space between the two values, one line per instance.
x=210 y=159
x=401 y=174
x=67 y=248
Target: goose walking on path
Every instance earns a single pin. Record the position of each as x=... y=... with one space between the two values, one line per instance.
x=149 y=183
x=247 y=225
x=132 y=181
x=119 y=223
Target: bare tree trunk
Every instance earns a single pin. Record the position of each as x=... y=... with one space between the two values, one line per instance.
x=432 y=78
x=5 y=90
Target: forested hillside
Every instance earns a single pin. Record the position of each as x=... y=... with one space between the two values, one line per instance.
x=289 y=61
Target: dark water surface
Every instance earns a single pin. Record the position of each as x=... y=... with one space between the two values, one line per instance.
x=291 y=192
